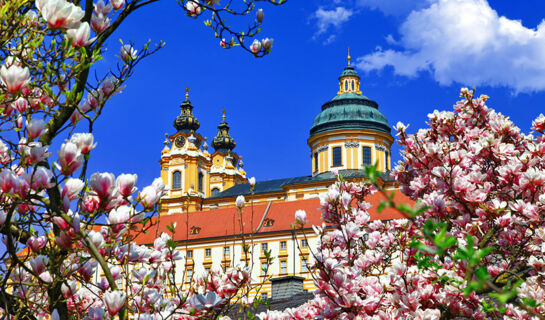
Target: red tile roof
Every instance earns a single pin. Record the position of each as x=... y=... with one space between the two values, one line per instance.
x=225 y=222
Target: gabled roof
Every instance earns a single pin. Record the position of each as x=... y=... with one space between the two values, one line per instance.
x=226 y=222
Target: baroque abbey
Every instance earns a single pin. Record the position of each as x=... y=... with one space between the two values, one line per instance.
x=349 y=133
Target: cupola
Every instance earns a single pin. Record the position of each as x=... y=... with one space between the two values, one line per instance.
x=349 y=81
x=186 y=121
x=223 y=142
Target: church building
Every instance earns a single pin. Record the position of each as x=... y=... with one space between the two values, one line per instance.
x=348 y=133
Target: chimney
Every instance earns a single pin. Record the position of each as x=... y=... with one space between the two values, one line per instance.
x=286 y=287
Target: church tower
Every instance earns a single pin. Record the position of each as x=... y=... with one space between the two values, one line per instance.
x=189 y=170
x=350 y=132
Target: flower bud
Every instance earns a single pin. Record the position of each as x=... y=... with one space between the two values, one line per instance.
x=255 y=47
x=240 y=201
x=259 y=15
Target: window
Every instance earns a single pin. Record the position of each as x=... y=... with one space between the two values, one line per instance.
x=264 y=268
x=189 y=254
x=386 y=155
x=194 y=230
x=200 y=181
x=264 y=295
x=215 y=191
x=206 y=270
x=304 y=243
x=264 y=247
x=304 y=266
x=366 y=152
x=283 y=245
x=268 y=223
x=346 y=86
x=337 y=157
x=189 y=274
x=316 y=161
x=177 y=180
x=283 y=267
x=207 y=252
x=226 y=251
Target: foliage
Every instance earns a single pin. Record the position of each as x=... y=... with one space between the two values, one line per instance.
x=69 y=235
x=472 y=248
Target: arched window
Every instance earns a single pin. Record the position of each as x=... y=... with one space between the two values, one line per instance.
x=345 y=85
x=176 y=180
x=215 y=191
x=316 y=161
x=353 y=85
x=200 y=181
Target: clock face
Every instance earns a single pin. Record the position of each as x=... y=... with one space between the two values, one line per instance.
x=180 y=141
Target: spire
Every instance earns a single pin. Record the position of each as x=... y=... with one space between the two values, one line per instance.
x=223 y=142
x=186 y=121
x=349 y=81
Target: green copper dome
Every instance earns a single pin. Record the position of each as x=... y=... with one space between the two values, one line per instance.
x=349 y=71
x=350 y=111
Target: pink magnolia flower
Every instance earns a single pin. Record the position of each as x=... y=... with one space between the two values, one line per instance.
x=36 y=243
x=84 y=141
x=39 y=263
x=193 y=8
x=127 y=53
x=149 y=197
x=99 y=22
x=267 y=44
x=125 y=184
x=114 y=300
x=35 y=128
x=70 y=158
x=21 y=105
x=14 y=77
x=118 y=4
x=8 y=181
x=301 y=216
x=255 y=47
x=259 y=15
x=239 y=202
x=103 y=184
x=101 y=7
x=119 y=215
x=80 y=35
x=60 y=13
x=90 y=203
x=41 y=178
x=72 y=187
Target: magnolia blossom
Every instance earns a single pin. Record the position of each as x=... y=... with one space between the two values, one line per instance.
x=72 y=187
x=103 y=184
x=60 y=13
x=35 y=128
x=259 y=15
x=21 y=105
x=193 y=8
x=301 y=216
x=101 y=7
x=70 y=158
x=127 y=53
x=125 y=184
x=99 y=22
x=267 y=44
x=84 y=141
x=114 y=301
x=3 y=216
x=80 y=35
x=251 y=181
x=255 y=47
x=117 y=4
x=14 y=77
x=149 y=197
x=239 y=202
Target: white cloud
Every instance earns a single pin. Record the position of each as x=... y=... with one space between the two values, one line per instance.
x=327 y=18
x=465 y=41
x=394 y=7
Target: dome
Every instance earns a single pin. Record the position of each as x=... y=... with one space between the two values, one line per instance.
x=350 y=111
x=223 y=142
x=349 y=71
x=186 y=121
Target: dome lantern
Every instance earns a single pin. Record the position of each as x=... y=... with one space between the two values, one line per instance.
x=186 y=121
x=349 y=80
x=223 y=142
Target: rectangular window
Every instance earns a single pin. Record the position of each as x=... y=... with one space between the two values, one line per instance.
x=264 y=295
x=264 y=247
x=226 y=251
x=189 y=274
x=200 y=182
x=189 y=254
x=283 y=245
x=206 y=270
x=366 y=151
x=316 y=161
x=304 y=266
x=207 y=252
x=283 y=267
x=337 y=157
x=386 y=156
x=304 y=243
x=264 y=268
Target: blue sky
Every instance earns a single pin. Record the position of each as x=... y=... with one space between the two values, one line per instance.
x=413 y=58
